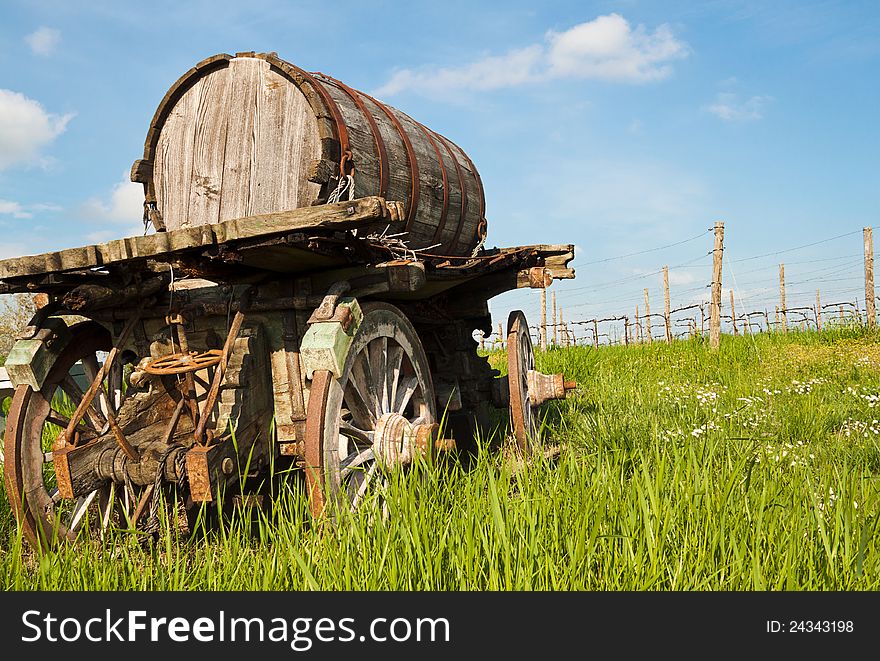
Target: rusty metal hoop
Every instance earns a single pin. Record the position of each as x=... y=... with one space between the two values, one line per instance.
x=183 y=363
x=384 y=396
x=520 y=360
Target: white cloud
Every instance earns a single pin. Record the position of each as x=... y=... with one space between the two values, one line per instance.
x=731 y=108
x=606 y=48
x=124 y=206
x=43 y=41
x=13 y=209
x=25 y=128
x=17 y=210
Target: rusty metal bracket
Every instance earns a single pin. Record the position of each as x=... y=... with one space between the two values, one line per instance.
x=327 y=308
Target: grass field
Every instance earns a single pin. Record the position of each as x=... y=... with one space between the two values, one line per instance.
x=753 y=468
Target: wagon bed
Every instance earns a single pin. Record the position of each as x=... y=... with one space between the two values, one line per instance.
x=352 y=236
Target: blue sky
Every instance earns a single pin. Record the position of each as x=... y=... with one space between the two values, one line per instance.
x=616 y=126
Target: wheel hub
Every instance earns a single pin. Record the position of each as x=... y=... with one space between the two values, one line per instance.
x=394 y=440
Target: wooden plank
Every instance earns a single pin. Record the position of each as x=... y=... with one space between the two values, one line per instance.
x=363 y=212
x=245 y=105
x=287 y=142
x=209 y=142
x=172 y=170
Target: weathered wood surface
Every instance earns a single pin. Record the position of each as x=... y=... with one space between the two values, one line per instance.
x=237 y=143
x=253 y=134
x=368 y=212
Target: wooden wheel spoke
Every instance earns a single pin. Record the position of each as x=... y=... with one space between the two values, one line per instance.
x=378 y=357
x=114 y=385
x=355 y=460
x=111 y=501
x=356 y=434
x=408 y=386
x=82 y=505
x=364 y=484
x=393 y=367
x=58 y=419
x=91 y=368
x=361 y=412
x=362 y=380
x=93 y=415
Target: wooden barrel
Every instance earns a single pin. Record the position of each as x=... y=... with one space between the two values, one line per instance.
x=251 y=134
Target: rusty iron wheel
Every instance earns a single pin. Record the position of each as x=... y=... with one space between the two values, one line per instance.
x=365 y=423
x=520 y=360
x=36 y=418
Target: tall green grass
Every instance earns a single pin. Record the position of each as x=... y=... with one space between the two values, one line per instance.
x=680 y=469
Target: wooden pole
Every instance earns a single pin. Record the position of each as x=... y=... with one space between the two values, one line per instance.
x=648 y=317
x=595 y=333
x=482 y=341
x=715 y=310
x=500 y=335
x=562 y=329
x=702 y=320
x=870 y=307
x=776 y=323
x=782 y=308
x=543 y=331
x=840 y=308
x=818 y=312
x=666 y=306
x=553 y=305
x=733 y=314
x=626 y=331
x=638 y=326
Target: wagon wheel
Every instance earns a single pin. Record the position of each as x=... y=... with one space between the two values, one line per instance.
x=371 y=419
x=36 y=418
x=520 y=360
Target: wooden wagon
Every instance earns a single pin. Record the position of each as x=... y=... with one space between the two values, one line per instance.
x=310 y=296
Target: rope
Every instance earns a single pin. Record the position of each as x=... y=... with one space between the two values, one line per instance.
x=152 y=524
x=346 y=183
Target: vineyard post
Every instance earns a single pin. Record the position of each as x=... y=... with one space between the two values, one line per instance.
x=553 y=305
x=818 y=312
x=782 y=309
x=482 y=340
x=648 y=317
x=666 y=313
x=870 y=308
x=500 y=335
x=840 y=308
x=595 y=333
x=626 y=330
x=715 y=310
x=702 y=320
x=638 y=326
x=542 y=337
x=733 y=314
x=562 y=329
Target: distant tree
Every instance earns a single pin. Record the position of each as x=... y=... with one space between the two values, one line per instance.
x=16 y=311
